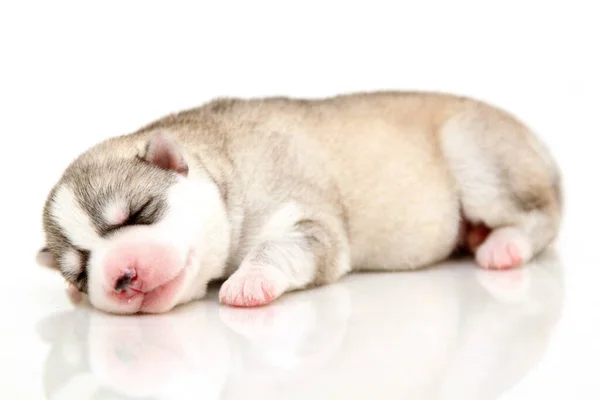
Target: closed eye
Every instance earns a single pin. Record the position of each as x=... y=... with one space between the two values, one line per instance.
x=143 y=215
x=139 y=217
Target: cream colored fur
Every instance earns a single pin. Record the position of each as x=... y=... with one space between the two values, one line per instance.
x=367 y=181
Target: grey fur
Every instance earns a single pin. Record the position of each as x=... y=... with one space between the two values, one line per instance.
x=264 y=153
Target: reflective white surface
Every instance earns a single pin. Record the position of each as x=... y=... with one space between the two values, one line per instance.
x=452 y=332
x=75 y=73
x=449 y=332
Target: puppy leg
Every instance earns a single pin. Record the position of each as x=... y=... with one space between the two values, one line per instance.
x=296 y=254
x=507 y=182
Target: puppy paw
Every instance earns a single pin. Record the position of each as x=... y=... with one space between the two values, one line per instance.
x=504 y=248
x=252 y=286
x=74 y=295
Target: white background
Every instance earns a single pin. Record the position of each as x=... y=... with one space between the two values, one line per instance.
x=72 y=73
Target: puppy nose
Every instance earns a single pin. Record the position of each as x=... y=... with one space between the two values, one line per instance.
x=125 y=281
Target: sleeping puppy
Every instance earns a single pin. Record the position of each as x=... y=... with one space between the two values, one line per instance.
x=277 y=194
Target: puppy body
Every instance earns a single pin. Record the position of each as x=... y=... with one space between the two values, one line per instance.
x=280 y=194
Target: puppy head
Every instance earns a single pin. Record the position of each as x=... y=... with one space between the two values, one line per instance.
x=132 y=230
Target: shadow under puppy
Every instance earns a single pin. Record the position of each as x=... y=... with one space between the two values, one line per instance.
x=279 y=194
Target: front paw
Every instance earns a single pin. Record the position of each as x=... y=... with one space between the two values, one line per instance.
x=252 y=286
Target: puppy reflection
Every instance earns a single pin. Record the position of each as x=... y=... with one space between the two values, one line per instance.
x=180 y=355
x=447 y=333
x=452 y=332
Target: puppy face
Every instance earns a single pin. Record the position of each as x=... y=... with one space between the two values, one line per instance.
x=131 y=232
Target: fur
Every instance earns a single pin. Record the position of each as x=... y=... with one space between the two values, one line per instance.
x=280 y=194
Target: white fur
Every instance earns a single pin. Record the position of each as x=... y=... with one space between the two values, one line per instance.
x=197 y=218
x=281 y=260
x=480 y=184
x=71 y=262
x=77 y=226
x=116 y=211
x=392 y=203
x=344 y=264
x=280 y=222
x=290 y=252
x=185 y=227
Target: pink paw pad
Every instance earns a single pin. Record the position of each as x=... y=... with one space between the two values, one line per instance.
x=504 y=249
x=252 y=286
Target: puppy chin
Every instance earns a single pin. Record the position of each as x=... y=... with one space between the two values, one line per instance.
x=191 y=284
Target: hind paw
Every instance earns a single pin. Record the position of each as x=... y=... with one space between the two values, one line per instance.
x=504 y=248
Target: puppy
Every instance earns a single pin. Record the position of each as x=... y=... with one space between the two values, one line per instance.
x=277 y=194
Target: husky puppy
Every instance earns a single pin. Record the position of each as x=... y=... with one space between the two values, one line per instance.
x=277 y=194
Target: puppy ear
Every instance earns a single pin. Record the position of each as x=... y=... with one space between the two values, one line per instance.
x=46 y=259
x=165 y=153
